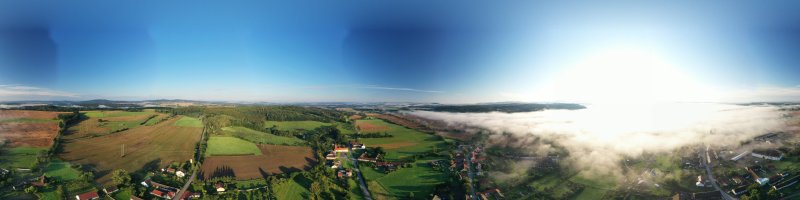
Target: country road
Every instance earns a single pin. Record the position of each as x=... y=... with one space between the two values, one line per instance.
x=711 y=177
x=361 y=183
x=185 y=186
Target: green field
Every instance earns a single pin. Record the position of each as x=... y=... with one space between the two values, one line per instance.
x=397 y=183
x=354 y=190
x=260 y=137
x=295 y=188
x=220 y=145
x=189 y=122
x=104 y=114
x=61 y=171
x=295 y=125
x=20 y=157
x=405 y=142
x=596 y=186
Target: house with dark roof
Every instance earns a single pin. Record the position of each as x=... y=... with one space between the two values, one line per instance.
x=739 y=190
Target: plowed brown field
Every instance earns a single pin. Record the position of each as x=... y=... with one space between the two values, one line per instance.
x=28 y=128
x=275 y=159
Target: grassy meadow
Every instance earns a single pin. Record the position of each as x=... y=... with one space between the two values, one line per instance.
x=61 y=171
x=396 y=184
x=294 y=188
x=189 y=122
x=404 y=141
x=220 y=145
x=20 y=157
x=260 y=137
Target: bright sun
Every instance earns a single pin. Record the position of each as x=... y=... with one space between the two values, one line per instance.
x=623 y=76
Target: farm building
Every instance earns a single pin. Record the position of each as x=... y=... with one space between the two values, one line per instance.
x=740 y=156
x=770 y=154
x=786 y=183
x=766 y=137
x=87 y=196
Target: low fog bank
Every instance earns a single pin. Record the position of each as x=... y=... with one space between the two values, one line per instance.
x=600 y=136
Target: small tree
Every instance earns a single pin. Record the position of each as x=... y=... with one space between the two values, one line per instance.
x=30 y=190
x=121 y=177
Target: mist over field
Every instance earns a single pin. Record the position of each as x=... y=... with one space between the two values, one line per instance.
x=600 y=136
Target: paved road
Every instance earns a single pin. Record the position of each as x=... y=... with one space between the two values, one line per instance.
x=714 y=181
x=185 y=186
x=361 y=182
x=468 y=156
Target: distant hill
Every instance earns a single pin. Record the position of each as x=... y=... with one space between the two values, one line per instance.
x=500 y=107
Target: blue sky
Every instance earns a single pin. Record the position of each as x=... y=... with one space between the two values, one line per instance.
x=443 y=52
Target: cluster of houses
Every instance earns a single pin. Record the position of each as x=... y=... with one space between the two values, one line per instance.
x=174 y=171
x=778 y=181
x=166 y=191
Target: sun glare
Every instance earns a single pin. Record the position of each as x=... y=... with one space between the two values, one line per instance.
x=626 y=75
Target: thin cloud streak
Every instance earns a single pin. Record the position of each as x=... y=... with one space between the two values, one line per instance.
x=375 y=87
x=21 y=92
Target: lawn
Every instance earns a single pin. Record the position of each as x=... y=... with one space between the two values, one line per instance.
x=260 y=137
x=220 y=145
x=295 y=188
x=396 y=183
x=123 y=193
x=404 y=141
x=20 y=157
x=61 y=171
x=189 y=122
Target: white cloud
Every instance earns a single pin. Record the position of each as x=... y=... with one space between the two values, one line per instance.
x=21 y=92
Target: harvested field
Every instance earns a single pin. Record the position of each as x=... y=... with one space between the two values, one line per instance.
x=355 y=117
x=26 y=128
x=16 y=134
x=99 y=123
x=275 y=159
x=151 y=146
x=30 y=114
x=368 y=126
